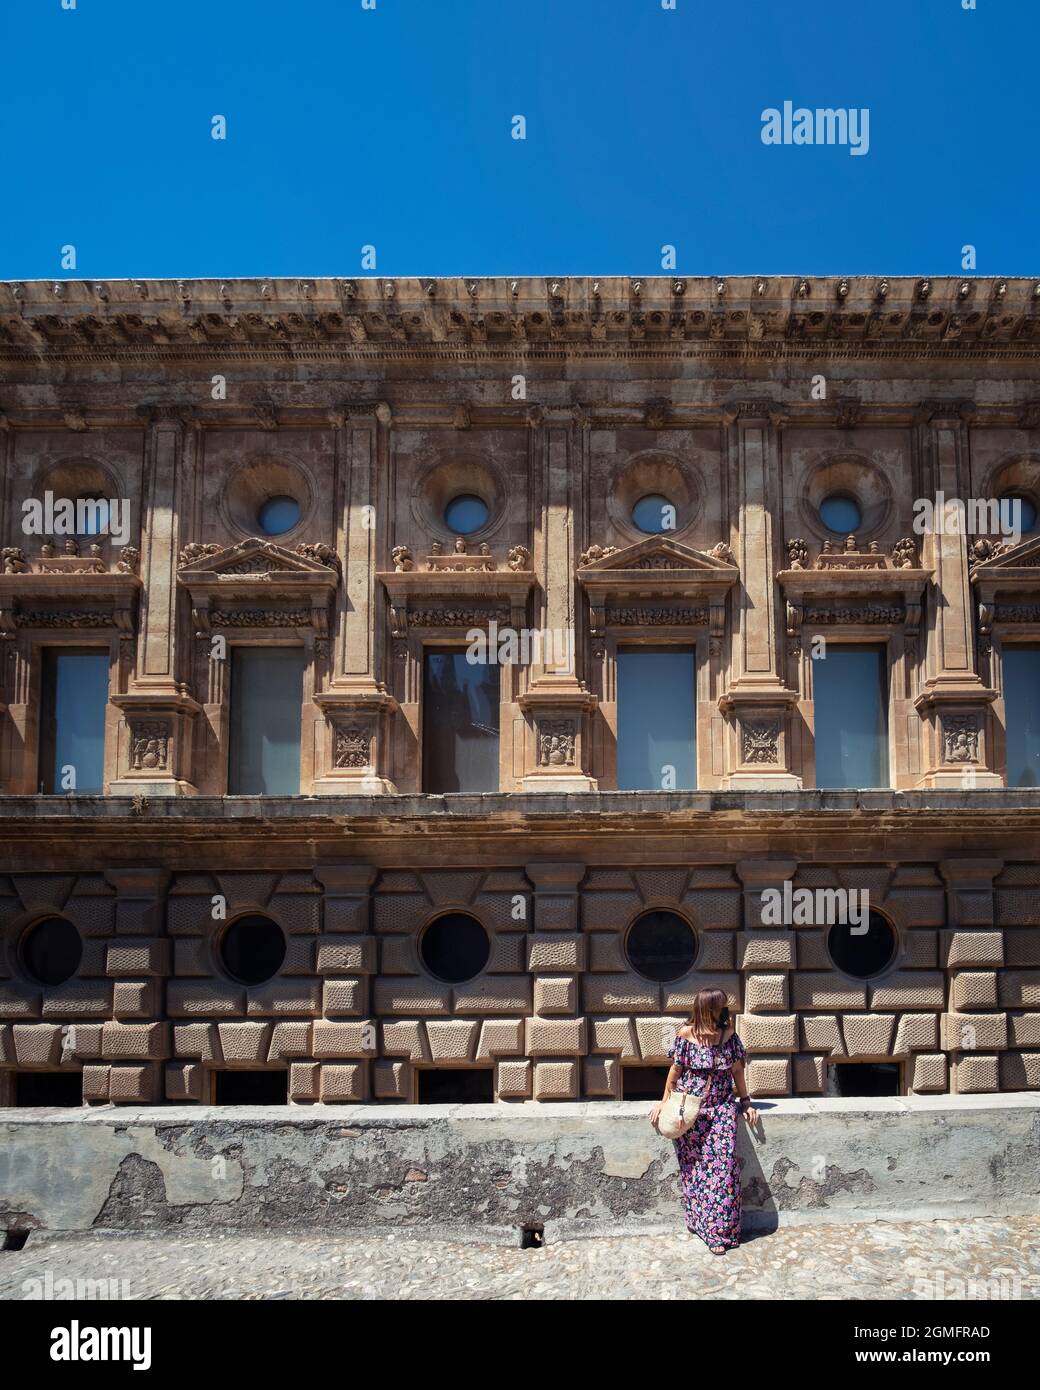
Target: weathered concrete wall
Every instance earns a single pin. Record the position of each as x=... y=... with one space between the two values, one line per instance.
x=484 y=1170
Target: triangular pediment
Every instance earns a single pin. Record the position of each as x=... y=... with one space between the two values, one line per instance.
x=1025 y=555
x=254 y=558
x=656 y=553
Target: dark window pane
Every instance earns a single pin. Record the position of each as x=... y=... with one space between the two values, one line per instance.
x=51 y=951
x=865 y=1079
x=840 y=514
x=251 y=1088
x=1022 y=715
x=656 y=720
x=57 y=1088
x=850 y=703
x=72 y=728
x=253 y=950
x=456 y=1086
x=455 y=948
x=654 y=514
x=862 y=953
x=661 y=946
x=465 y=514
x=1019 y=510
x=460 y=724
x=279 y=514
x=643 y=1083
x=266 y=704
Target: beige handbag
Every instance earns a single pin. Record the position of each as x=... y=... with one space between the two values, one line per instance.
x=678 y=1114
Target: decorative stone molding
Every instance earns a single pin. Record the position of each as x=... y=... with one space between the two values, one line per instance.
x=154 y=754
x=960 y=738
x=557 y=740
x=149 y=744
x=254 y=585
x=760 y=740
x=458 y=561
x=357 y=744
x=456 y=590
x=657 y=568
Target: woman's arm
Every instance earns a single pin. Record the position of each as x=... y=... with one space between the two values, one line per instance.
x=742 y=1093
x=669 y=1086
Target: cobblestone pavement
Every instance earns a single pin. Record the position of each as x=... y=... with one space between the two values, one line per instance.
x=879 y=1260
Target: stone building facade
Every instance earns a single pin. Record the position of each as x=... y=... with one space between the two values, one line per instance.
x=555 y=409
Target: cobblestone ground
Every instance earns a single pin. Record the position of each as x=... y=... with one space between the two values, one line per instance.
x=878 y=1260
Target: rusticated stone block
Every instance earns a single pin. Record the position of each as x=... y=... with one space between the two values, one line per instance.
x=909 y=989
x=764 y=993
x=556 y=1080
x=1020 y=1071
x=602 y=1077
x=973 y=1032
x=716 y=951
x=37 y=1044
x=974 y=989
x=304 y=1080
x=193 y=957
x=298 y=913
x=916 y=1033
x=135 y=998
x=654 y=1036
x=605 y=951
x=96 y=1077
x=196 y=1040
x=290 y=1039
x=827 y=990
x=757 y=950
x=811 y=949
x=138 y=956
x=7 y=1057
x=809 y=1074
x=1020 y=989
x=769 y=1076
x=391 y=1080
x=397 y=955
x=133 y=1084
x=554 y=1037
x=1024 y=1030
x=452 y=1040
x=1022 y=946
x=555 y=994
x=394 y=996
x=343 y=1083
x=204 y=998
x=513 y=1079
x=346 y=914
x=821 y=1033
x=615 y=993
x=714 y=909
x=494 y=994
x=974 y=1072
x=507 y=953
x=78 y=999
x=867 y=1035
x=768 y=1032
x=346 y=955
x=244 y=1044
x=92 y=961
x=300 y=954
x=928 y=1071
x=343 y=998
x=973 y=948
x=185 y=1081
x=615 y=1035
x=135 y=1041
x=921 y=950
x=344 y=1039
x=82 y=1040
x=279 y=998
x=189 y=915
x=555 y=951
x=404 y=1038
x=500 y=1037
x=18 y=1000
x=679 y=997
x=556 y=912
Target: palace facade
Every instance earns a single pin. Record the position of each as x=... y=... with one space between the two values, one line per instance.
x=417 y=690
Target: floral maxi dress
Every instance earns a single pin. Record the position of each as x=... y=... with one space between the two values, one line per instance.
x=708 y=1163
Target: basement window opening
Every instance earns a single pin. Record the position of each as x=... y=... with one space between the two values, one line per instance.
x=643 y=1083
x=863 y=1079
x=251 y=1087
x=456 y=1085
x=49 y=1089
x=15 y=1240
x=532 y=1238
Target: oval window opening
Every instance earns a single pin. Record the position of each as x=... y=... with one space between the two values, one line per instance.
x=52 y=951
x=278 y=515
x=654 y=514
x=661 y=946
x=465 y=514
x=841 y=515
x=253 y=950
x=1017 y=513
x=93 y=515
x=859 y=953
x=455 y=948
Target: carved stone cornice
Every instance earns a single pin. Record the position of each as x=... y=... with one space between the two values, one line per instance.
x=259 y=584
x=69 y=600
x=450 y=596
x=669 y=583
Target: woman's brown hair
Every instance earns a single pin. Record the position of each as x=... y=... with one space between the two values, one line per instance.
x=707 y=1005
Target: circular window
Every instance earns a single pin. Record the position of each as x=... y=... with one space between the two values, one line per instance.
x=466 y=514
x=51 y=951
x=253 y=950
x=841 y=514
x=455 y=948
x=278 y=515
x=95 y=513
x=661 y=946
x=654 y=514
x=1022 y=512
x=859 y=953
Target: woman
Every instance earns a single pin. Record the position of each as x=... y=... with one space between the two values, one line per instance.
x=708 y=1060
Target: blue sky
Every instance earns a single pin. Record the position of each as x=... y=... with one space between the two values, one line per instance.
x=392 y=127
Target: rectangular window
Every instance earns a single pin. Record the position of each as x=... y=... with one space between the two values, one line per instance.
x=72 y=729
x=460 y=724
x=657 y=722
x=456 y=1086
x=266 y=713
x=1022 y=715
x=251 y=1087
x=850 y=702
